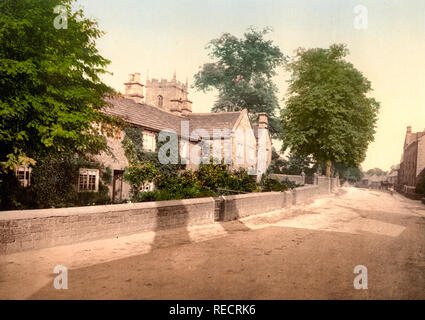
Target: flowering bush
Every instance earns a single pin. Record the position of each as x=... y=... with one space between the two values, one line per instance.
x=138 y=174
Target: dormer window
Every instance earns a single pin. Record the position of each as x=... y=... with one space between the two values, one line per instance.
x=160 y=101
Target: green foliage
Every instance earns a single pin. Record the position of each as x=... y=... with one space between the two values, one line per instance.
x=50 y=89
x=376 y=171
x=242 y=74
x=328 y=114
x=213 y=176
x=347 y=173
x=138 y=174
x=133 y=148
x=273 y=184
x=107 y=175
x=53 y=184
x=204 y=182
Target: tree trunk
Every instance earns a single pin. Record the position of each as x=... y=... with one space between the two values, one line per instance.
x=328 y=168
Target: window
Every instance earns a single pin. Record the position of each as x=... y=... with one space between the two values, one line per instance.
x=149 y=141
x=149 y=186
x=160 y=101
x=88 y=180
x=24 y=175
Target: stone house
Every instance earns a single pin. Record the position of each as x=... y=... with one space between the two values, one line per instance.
x=412 y=162
x=163 y=106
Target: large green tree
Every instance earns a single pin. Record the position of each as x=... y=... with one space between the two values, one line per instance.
x=328 y=113
x=50 y=91
x=242 y=73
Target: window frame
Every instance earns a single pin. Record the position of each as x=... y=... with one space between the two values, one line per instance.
x=149 y=139
x=25 y=181
x=86 y=184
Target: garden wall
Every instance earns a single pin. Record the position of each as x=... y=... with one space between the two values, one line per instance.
x=244 y=205
x=34 y=229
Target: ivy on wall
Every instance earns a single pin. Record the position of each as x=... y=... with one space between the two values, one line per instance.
x=54 y=182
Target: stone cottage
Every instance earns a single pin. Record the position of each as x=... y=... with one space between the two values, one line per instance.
x=164 y=106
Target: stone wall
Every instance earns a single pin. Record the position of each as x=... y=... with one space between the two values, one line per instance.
x=305 y=194
x=34 y=229
x=244 y=205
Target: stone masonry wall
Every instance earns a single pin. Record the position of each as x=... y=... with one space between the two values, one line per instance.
x=34 y=229
x=243 y=205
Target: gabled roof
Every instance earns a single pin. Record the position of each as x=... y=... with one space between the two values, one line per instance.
x=153 y=118
x=211 y=121
x=143 y=115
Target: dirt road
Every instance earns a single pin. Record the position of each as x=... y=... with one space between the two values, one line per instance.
x=307 y=252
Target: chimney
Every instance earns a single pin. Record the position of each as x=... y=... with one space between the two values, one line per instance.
x=409 y=129
x=134 y=88
x=263 y=120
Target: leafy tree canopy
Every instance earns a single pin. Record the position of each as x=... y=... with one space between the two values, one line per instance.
x=50 y=91
x=376 y=171
x=328 y=114
x=348 y=173
x=242 y=73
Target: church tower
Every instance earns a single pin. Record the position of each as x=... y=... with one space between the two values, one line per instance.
x=171 y=95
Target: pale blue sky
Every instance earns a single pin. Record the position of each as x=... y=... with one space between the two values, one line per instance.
x=163 y=36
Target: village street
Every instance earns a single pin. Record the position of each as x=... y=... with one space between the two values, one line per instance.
x=306 y=252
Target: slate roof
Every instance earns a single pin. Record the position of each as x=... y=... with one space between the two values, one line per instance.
x=211 y=121
x=156 y=119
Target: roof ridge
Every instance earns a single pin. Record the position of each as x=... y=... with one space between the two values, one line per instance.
x=213 y=113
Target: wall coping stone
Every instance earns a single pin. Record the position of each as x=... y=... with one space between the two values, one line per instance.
x=70 y=211
x=252 y=195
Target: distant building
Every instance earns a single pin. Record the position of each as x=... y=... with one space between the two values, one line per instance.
x=373 y=181
x=392 y=178
x=413 y=159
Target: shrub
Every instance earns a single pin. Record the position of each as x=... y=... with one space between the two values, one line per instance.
x=138 y=174
x=273 y=184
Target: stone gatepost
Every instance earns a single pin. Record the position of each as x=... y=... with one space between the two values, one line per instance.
x=303 y=177
x=316 y=178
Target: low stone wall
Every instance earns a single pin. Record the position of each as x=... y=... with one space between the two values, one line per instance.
x=305 y=194
x=244 y=205
x=34 y=229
